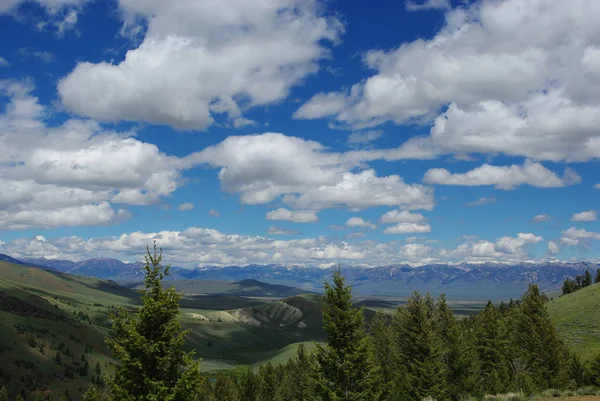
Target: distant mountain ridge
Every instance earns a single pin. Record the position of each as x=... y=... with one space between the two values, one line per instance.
x=469 y=281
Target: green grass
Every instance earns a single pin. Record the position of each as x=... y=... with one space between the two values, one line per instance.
x=577 y=320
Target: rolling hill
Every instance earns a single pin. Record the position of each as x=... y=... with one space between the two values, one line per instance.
x=577 y=319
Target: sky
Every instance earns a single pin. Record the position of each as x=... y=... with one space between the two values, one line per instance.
x=300 y=132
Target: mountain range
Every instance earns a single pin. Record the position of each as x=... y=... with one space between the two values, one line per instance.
x=463 y=281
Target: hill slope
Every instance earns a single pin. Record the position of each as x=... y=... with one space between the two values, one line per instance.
x=577 y=318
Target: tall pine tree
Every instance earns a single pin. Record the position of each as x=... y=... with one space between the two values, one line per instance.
x=149 y=345
x=419 y=349
x=344 y=369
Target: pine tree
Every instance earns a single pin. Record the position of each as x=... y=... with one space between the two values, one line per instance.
x=419 y=348
x=19 y=397
x=536 y=343
x=266 y=383
x=225 y=388
x=344 y=369
x=491 y=351
x=384 y=354
x=3 y=394
x=149 y=345
x=597 y=278
x=587 y=279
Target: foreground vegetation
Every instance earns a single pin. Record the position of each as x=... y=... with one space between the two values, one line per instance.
x=422 y=351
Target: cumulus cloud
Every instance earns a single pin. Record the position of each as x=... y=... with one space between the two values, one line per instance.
x=263 y=167
x=504 y=177
x=297 y=216
x=60 y=173
x=203 y=61
x=578 y=236
x=482 y=201
x=404 y=216
x=359 y=222
x=214 y=213
x=408 y=228
x=541 y=218
x=196 y=246
x=505 y=248
x=508 y=77
x=186 y=206
x=589 y=215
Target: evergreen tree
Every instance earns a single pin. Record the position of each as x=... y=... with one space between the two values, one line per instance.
x=97 y=369
x=587 y=279
x=19 y=397
x=535 y=342
x=491 y=351
x=3 y=394
x=149 y=345
x=597 y=278
x=384 y=355
x=419 y=349
x=92 y=394
x=225 y=388
x=266 y=383
x=344 y=369
x=569 y=287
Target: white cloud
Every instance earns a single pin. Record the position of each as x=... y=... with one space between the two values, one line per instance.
x=541 y=218
x=427 y=5
x=578 y=236
x=404 y=216
x=202 y=61
x=504 y=249
x=186 y=206
x=214 y=213
x=589 y=215
x=264 y=167
x=298 y=216
x=408 y=228
x=362 y=137
x=202 y=246
x=482 y=201
x=61 y=15
x=73 y=171
x=510 y=77
x=553 y=248
x=281 y=231
x=504 y=177
x=3 y=62
x=359 y=222
x=73 y=216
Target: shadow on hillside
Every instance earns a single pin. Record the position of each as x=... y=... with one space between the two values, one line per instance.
x=107 y=286
x=217 y=302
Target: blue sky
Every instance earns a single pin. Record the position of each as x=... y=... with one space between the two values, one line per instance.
x=300 y=131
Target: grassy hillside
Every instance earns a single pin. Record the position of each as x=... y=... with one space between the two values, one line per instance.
x=43 y=314
x=577 y=318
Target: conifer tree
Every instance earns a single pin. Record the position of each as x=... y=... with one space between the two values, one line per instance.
x=149 y=345
x=419 y=348
x=536 y=342
x=384 y=354
x=225 y=388
x=266 y=383
x=92 y=394
x=587 y=279
x=3 y=394
x=597 y=278
x=344 y=369
x=491 y=351
x=19 y=397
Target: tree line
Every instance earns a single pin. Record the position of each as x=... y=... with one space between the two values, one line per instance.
x=580 y=281
x=420 y=352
